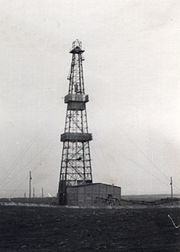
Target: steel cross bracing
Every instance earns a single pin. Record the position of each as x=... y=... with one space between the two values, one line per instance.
x=76 y=159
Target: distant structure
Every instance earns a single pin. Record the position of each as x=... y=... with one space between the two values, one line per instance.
x=30 y=181
x=42 y=192
x=76 y=160
x=171 y=185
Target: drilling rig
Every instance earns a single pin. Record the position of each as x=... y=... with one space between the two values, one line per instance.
x=76 y=159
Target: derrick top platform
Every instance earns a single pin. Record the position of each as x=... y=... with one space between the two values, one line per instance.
x=77 y=50
x=77 y=47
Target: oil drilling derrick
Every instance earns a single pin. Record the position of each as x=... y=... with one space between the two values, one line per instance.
x=76 y=160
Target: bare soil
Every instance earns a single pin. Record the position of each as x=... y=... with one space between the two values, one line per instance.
x=31 y=229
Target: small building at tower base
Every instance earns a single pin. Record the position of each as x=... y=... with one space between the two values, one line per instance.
x=94 y=194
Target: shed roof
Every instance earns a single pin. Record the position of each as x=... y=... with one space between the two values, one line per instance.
x=92 y=184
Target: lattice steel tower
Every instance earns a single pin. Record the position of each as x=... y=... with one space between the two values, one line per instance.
x=76 y=159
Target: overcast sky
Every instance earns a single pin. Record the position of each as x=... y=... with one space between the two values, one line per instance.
x=132 y=76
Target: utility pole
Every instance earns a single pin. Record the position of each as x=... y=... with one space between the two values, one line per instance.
x=30 y=179
x=42 y=193
x=171 y=184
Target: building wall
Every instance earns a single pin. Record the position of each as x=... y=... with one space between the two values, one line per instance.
x=93 y=195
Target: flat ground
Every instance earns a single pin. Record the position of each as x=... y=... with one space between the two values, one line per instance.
x=65 y=229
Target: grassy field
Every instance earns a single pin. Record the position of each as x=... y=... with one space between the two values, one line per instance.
x=65 y=229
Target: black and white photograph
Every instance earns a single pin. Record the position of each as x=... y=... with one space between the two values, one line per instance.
x=90 y=125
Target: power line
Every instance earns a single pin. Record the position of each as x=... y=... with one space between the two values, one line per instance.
x=150 y=160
